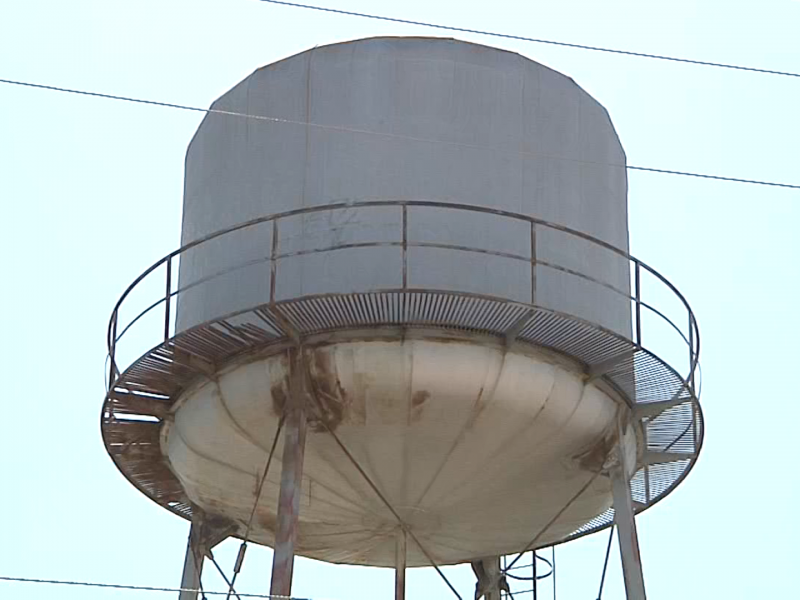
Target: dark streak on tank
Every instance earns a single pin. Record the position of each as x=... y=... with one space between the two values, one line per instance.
x=417 y=404
x=419 y=398
x=594 y=458
x=279 y=397
x=331 y=396
x=267 y=520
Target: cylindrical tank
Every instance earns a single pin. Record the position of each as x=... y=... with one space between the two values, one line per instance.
x=477 y=443
x=405 y=119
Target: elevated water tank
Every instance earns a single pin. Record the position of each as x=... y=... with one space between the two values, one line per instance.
x=439 y=231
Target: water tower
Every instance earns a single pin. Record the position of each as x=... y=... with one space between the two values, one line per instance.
x=403 y=328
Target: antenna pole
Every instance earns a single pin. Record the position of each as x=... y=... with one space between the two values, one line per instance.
x=294 y=441
x=624 y=518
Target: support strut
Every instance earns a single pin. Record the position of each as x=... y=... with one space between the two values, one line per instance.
x=207 y=531
x=400 y=565
x=294 y=441
x=624 y=518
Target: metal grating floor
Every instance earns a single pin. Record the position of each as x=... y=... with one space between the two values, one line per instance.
x=141 y=395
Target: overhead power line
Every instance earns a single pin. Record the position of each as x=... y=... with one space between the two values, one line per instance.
x=702 y=63
x=138 y=588
x=231 y=113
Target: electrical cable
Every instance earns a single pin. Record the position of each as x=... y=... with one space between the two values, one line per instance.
x=702 y=63
x=138 y=588
x=376 y=133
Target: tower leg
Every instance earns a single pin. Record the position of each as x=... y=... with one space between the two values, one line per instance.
x=400 y=566
x=192 y=567
x=294 y=441
x=626 y=528
x=207 y=531
x=492 y=568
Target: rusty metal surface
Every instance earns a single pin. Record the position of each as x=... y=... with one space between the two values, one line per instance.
x=294 y=443
x=142 y=390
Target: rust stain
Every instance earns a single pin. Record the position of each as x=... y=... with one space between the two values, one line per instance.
x=280 y=389
x=357 y=398
x=417 y=404
x=331 y=396
x=267 y=520
x=279 y=397
x=419 y=398
x=477 y=408
x=595 y=457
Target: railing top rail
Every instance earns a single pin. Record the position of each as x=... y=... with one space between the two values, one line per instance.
x=694 y=334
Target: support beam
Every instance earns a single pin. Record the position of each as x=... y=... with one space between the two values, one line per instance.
x=651 y=410
x=207 y=531
x=620 y=473
x=610 y=364
x=491 y=579
x=400 y=554
x=493 y=571
x=192 y=567
x=660 y=458
x=294 y=442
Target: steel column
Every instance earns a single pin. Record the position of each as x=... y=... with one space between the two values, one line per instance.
x=493 y=573
x=207 y=531
x=624 y=518
x=400 y=554
x=294 y=441
x=192 y=566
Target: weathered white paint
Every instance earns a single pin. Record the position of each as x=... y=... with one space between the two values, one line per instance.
x=476 y=446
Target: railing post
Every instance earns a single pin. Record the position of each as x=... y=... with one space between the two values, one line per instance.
x=692 y=364
x=112 y=350
x=638 y=296
x=405 y=247
x=273 y=261
x=168 y=299
x=533 y=263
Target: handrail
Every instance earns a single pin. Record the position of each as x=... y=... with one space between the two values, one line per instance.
x=693 y=341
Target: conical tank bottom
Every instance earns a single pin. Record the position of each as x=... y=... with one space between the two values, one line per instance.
x=476 y=446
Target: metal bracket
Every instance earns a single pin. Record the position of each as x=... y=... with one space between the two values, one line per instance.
x=601 y=368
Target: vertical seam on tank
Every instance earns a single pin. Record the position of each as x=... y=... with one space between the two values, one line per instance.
x=521 y=155
x=307 y=127
x=204 y=456
x=503 y=448
x=569 y=417
x=224 y=405
x=249 y=112
x=461 y=434
x=581 y=166
x=408 y=367
x=538 y=159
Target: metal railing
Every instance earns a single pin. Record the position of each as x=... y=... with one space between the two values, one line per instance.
x=164 y=271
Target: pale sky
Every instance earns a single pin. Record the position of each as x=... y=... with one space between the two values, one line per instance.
x=91 y=190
